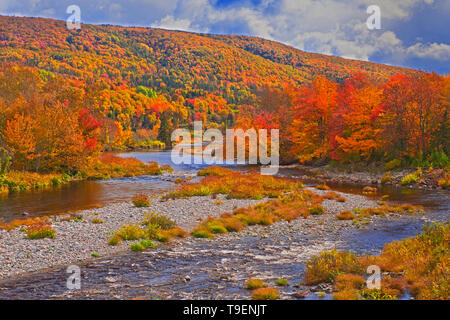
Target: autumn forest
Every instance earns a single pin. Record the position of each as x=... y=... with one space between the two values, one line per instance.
x=65 y=96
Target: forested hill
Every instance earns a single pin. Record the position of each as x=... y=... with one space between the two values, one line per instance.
x=111 y=87
x=168 y=60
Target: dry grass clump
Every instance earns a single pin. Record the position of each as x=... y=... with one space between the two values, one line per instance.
x=154 y=227
x=334 y=196
x=22 y=222
x=141 y=200
x=97 y=220
x=282 y=282
x=346 y=215
x=40 y=230
x=108 y=165
x=329 y=264
x=322 y=187
x=17 y=181
x=158 y=219
x=166 y=235
x=383 y=210
x=253 y=284
x=316 y=210
x=287 y=207
x=236 y=185
x=265 y=294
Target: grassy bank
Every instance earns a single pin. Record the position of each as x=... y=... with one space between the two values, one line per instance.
x=418 y=265
x=105 y=166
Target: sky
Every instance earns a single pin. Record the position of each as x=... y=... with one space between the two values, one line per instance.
x=413 y=33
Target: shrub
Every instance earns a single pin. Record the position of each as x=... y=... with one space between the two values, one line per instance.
x=329 y=264
x=160 y=220
x=40 y=230
x=214 y=170
x=141 y=200
x=420 y=263
x=95 y=254
x=131 y=232
x=349 y=281
x=253 y=284
x=265 y=294
x=232 y=224
x=153 y=231
x=445 y=181
x=393 y=164
x=346 y=294
x=409 y=179
x=378 y=294
x=115 y=240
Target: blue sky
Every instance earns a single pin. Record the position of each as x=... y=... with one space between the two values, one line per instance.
x=414 y=33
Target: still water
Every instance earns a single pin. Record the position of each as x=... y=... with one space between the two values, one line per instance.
x=88 y=194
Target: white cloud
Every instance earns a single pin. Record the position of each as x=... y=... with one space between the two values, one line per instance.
x=437 y=51
x=326 y=26
x=171 y=23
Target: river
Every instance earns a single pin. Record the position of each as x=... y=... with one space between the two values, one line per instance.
x=216 y=268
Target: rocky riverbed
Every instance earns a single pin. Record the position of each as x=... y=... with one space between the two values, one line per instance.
x=188 y=268
x=78 y=239
x=375 y=176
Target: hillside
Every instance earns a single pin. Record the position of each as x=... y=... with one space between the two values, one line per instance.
x=169 y=60
x=128 y=87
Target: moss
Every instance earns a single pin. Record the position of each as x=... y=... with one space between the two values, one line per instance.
x=282 y=282
x=142 y=245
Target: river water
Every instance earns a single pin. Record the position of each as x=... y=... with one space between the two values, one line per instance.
x=216 y=268
x=82 y=195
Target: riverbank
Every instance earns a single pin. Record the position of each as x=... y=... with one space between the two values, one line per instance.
x=372 y=175
x=78 y=238
x=105 y=166
x=187 y=269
